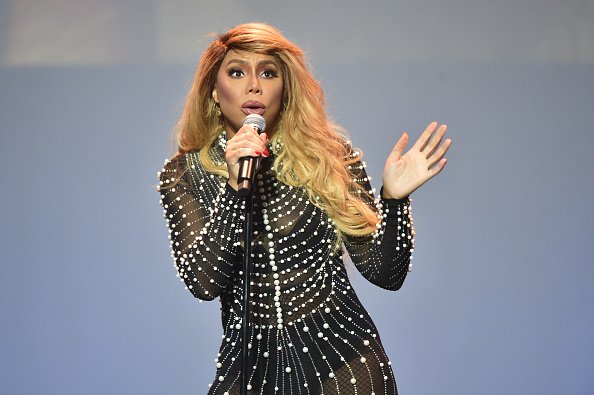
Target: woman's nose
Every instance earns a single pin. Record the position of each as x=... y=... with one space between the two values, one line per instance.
x=254 y=85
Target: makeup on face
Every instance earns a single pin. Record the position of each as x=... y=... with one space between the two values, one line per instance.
x=248 y=83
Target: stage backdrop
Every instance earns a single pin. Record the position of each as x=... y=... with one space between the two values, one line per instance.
x=500 y=300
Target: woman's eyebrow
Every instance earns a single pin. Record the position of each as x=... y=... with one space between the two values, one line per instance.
x=244 y=63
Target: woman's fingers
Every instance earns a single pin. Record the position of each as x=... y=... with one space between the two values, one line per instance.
x=239 y=144
x=246 y=142
x=435 y=141
x=399 y=147
x=242 y=152
x=424 y=138
x=247 y=148
x=437 y=168
x=439 y=153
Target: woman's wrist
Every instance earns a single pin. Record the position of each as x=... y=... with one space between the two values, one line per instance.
x=233 y=184
x=385 y=196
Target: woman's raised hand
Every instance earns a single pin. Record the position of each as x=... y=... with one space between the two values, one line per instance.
x=404 y=173
x=246 y=142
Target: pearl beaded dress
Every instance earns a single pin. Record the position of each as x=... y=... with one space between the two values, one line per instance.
x=309 y=332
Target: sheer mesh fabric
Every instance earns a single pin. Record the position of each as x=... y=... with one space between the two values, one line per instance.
x=309 y=332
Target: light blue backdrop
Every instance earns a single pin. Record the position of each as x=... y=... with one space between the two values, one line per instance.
x=500 y=300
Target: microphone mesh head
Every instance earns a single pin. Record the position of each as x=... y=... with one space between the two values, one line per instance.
x=255 y=120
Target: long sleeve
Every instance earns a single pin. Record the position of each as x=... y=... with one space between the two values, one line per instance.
x=204 y=216
x=384 y=257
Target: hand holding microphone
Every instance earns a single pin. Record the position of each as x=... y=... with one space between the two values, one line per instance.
x=243 y=153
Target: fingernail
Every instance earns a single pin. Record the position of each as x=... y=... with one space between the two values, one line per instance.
x=258 y=153
x=266 y=153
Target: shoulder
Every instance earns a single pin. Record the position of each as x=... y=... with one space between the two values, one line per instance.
x=173 y=171
x=172 y=166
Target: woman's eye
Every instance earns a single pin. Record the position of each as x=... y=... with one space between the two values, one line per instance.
x=269 y=74
x=236 y=73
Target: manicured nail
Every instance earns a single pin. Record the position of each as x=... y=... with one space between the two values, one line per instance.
x=258 y=153
x=266 y=153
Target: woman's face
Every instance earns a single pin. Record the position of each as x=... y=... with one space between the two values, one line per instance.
x=248 y=83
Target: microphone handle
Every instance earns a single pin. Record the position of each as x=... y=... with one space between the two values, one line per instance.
x=248 y=167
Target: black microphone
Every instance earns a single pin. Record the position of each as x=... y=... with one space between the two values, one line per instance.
x=248 y=165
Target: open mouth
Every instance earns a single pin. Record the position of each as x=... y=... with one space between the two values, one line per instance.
x=253 y=107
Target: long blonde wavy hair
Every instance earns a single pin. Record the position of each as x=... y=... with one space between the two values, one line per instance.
x=314 y=155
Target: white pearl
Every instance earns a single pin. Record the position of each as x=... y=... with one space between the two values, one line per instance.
x=305 y=349
x=288 y=370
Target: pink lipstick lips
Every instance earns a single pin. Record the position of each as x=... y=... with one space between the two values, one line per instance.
x=253 y=107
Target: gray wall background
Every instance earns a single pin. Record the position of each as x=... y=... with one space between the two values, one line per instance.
x=500 y=300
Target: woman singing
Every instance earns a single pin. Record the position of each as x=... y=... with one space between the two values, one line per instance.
x=312 y=202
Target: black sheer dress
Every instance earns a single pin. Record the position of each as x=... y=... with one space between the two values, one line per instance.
x=310 y=334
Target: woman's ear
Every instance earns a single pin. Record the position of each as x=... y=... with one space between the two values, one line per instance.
x=215 y=95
